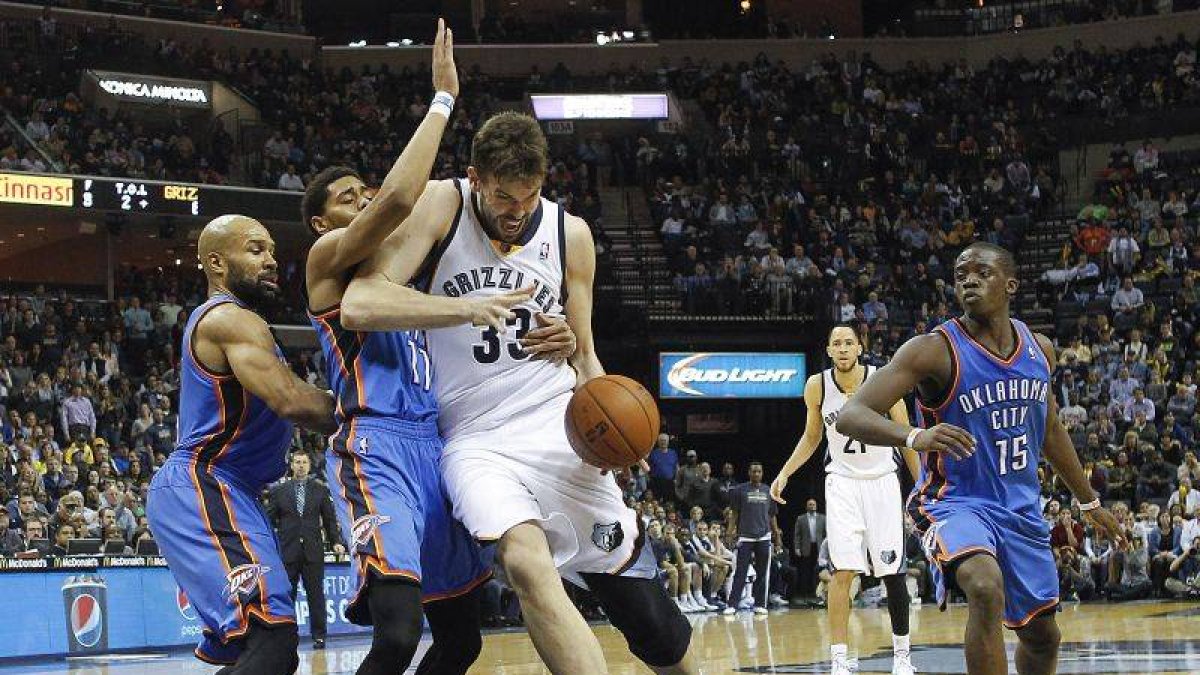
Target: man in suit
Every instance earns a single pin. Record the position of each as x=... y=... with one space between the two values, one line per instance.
x=298 y=509
x=809 y=533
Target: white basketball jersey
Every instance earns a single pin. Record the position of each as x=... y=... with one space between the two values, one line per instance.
x=846 y=456
x=481 y=377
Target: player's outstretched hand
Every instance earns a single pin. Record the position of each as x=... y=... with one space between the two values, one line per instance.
x=552 y=340
x=445 y=74
x=496 y=310
x=946 y=438
x=777 y=487
x=1102 y=519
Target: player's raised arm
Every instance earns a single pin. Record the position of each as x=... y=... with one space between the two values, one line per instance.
x=814 y=429
x=342 y=249
x=922 y=360
x=1060 y=453
x=378 y=298
x=237 y=337
x=581 y=270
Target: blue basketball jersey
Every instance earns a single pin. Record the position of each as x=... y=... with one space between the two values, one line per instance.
x=1002 y=403
x=221 y=424
x=376 y=373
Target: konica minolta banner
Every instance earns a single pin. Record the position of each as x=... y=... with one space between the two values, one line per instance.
x=731 y=375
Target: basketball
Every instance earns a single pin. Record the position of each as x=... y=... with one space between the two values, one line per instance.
x=612 y=422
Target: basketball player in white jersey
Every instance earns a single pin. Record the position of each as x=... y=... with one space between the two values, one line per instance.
x=864 y=509
x=509 y=470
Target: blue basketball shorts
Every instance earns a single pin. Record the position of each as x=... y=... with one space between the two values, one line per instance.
x=222 y=552
x=1020 y=544
x=387 y=488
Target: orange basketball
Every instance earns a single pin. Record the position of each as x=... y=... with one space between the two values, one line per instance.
x=612 y=422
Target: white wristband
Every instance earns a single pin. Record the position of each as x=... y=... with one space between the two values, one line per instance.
x=912 y=436
x=443 y=104
x=1090 y=506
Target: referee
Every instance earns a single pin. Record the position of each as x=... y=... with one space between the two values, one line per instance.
x=753 y=525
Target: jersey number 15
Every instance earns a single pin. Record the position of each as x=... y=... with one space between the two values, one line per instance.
x=1013 y=456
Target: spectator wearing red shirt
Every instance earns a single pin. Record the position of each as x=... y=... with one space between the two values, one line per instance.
x=1093 y=239
x=1067 y=533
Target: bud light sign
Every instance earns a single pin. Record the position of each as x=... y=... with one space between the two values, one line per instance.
x=731 y=375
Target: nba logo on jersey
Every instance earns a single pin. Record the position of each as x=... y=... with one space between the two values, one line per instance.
x=544 y=254
x=363 y=445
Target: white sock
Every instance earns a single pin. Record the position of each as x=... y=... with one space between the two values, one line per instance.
x=837 y=652
x=900 y=644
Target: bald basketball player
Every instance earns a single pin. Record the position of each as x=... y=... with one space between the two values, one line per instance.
x=238 y=404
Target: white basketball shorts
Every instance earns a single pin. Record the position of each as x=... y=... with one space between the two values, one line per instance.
x=525 y=470
x=865 y=524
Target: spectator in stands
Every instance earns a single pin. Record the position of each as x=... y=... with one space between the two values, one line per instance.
x=1161 y=549
x=1184 y=581
x=1067 y=533
x=1128 y=575
x=664 y=464
x=11 y=540
x=1156 y=478
x=62 y=536
x=289 y=180
x=1126 y=302
x=78 y=415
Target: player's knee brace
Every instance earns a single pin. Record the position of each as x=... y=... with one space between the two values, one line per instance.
x=652 y=624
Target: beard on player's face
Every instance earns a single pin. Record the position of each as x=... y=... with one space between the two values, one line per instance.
x=506 y=205
x=257 y=288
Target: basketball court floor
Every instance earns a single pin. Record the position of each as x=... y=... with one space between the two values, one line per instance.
x=1132 y=638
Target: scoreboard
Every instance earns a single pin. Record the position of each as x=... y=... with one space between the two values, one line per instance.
x=131 y=195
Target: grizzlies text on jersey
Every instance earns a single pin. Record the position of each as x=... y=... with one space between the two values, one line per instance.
x=484 y=377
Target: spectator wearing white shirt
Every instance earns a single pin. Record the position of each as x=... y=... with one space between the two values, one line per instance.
x=845 y=309
x=36 y=128
x=290 y=181
x=1190 y=502
x=1123 y=251
x=1146 y=158
x=1121 y=389
x=32 y=162
x=758 y=241
x=800 y=265
x=1139 y=404
x=1175 y=206
x=1126 y=302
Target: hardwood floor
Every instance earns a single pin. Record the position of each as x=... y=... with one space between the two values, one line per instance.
x=1132 y=638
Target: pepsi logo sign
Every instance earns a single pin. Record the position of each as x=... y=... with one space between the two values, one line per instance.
x=87 y=620
x=184 y=605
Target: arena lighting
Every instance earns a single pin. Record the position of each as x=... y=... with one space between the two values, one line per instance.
x=358 y=43
x=745 y=5
x=647 y=106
